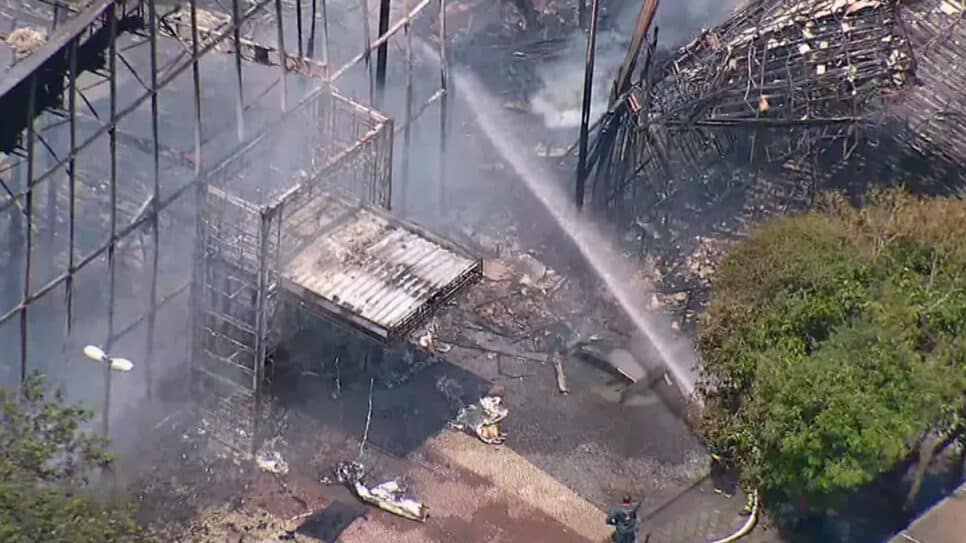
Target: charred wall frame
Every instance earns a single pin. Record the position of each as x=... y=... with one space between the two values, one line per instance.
x=88 y=43
x=793 y=90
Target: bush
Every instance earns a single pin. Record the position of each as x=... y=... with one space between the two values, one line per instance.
x=45 y=461
x=836 y=342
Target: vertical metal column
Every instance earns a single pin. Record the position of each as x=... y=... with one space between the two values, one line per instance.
x=382 y=54
x=112 y=134
x=198 y=269
x=281 y=53
x=155 y=200
x=196 y=84
x=239 y=97
x=310 y=47
x=29 y=234
x=367 y=36
x=261 y=320
x=443 y=107
x=585 y=106
x=325 y=34
x=71 y=180
x=298 y=26
x=407 y=129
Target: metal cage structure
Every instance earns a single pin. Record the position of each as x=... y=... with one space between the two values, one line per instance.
x=259 y=209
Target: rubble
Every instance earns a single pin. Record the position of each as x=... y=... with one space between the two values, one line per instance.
x=561 y=376
x=482 y=419
x=270 y=459
x=26 y=40
x=390 y=496
x=495 y=270
x=701 y=263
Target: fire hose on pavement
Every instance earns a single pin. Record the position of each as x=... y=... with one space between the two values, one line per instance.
x=747 y=526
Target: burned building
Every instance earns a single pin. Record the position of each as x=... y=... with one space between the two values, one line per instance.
x=798 y=95
x=177 y=184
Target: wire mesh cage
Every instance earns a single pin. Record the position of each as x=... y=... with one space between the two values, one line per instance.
x=259 y=207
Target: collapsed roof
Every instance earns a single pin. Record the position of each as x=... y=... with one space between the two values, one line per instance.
x=805 y=87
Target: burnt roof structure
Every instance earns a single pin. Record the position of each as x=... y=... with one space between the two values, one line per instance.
x=802 y=88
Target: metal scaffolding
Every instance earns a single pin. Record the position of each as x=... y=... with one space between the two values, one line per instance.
x=156 y=235
x=249 y=235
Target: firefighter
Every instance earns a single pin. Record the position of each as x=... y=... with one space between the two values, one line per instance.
x=624 y=520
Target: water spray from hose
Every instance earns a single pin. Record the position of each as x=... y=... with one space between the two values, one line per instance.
x=677 y=355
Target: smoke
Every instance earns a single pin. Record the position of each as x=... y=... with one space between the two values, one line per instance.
x=679 y=21
x=558 y=101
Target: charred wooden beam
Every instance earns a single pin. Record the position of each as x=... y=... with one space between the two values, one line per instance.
x=644 y=20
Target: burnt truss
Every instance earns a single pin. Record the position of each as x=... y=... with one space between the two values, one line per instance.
x=810 y=93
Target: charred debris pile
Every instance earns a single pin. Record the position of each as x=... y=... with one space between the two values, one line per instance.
x=806 y=94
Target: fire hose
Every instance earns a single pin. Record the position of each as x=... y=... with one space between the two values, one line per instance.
x=748 y=525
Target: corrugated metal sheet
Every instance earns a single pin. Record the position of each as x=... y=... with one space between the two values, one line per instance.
x=377 y=273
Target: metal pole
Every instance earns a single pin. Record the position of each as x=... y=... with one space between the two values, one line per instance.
x=311 y=45
x=281 y=53
x=28 y=211
x=407 y=131
x=325 y=36
x=443 y=107
x=196 y=82
x=381 y=54
x=368 y=50
x=71 y=180
x=155 y=199
x=112 y=134
x=198 y=270
x=585 y=106
x=261 y=323
x=298 y=26
x=239 y=98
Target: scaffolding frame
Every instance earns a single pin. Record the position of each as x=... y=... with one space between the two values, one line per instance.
x=249 y=237
x=46 y=91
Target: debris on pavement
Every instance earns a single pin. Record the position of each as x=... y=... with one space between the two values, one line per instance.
x=494 y=270
x=605 y=355
x=427 y=340
x=482 y=419
x=390 y=496
x=561 y=376
x=270 y=460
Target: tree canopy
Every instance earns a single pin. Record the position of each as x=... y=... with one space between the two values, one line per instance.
x=835 y=342
x=45 y=461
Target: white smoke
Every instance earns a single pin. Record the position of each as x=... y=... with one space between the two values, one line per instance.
x=559 y=99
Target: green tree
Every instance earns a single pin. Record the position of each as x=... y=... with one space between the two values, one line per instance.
x=834 y=348
x=45 y=461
